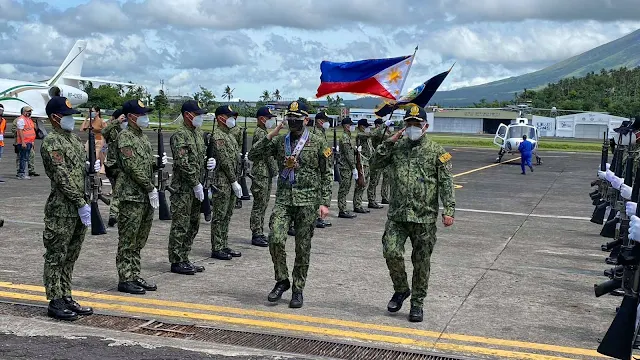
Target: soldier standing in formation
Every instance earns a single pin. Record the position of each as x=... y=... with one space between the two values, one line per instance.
x=226 y=180
x=236 y=133
x=138 y=197
x=347 y=168
x=420 y=171
x=116 y=125
x=304 y=182
x=66 y=213
x=189 y=153
x=378 y=135
x=363 y=143
x=263 y=171
x=321 y=126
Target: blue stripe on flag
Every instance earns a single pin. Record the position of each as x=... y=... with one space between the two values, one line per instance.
x=355 y=70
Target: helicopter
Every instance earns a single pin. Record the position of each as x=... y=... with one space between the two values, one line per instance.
x=509 y=137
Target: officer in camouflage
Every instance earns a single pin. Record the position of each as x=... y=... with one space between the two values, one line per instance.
x=383 y=130
x=118 y=123
x=347 y=167
x=187 y=147
x=363 y=146
x=263 y=170
x=66 y=212
x=420 y=171
x=138 y=197
x=236 y=133
x=226 y=152
x=304 y=189
x=322 y=124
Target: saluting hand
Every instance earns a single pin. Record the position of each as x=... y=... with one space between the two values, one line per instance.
x=276 y=130
x=397 y=135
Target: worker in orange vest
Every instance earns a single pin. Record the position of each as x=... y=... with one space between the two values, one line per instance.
x=25 y=138
x=3 y=126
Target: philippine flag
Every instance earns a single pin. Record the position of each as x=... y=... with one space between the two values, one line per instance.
x=379 y=77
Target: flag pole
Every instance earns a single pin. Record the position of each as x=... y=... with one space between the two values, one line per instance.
x=402 y=86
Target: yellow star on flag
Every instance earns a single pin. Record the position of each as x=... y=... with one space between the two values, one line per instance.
x=394 y=75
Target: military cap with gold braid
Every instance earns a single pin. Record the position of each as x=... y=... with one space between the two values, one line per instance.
x=415 y=112
x=297 y=108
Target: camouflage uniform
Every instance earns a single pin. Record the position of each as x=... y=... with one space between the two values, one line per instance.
x=263 y=170
x=187 y=147
x=297 y=204
x=64 y=160
x=236 y=134
x=346 y=164
x=363 y=140
x=420 y=172
x=226 y=154
x=136 y=165
x=377 y=137
x=110 y=134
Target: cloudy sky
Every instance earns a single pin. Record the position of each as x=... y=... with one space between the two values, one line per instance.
x=257 y=45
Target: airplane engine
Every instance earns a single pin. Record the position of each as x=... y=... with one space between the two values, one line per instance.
x=75 y=95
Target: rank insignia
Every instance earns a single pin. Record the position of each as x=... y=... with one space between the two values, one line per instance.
x=444 y=157
x=415 y=110
x=327 y=152
x=127 y=151
x=293 y=106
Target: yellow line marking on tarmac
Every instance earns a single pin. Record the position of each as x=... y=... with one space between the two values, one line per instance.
x=318 y=320
x=485 y=167
x=300 y=328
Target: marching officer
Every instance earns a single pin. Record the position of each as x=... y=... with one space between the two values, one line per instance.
x=66 y=213
x=304 y=190
x=421 y=172
x=378 y=135
x=363 y=143
x=138 y=197
x=322 y=124
x=347 y=167
x=189 y=153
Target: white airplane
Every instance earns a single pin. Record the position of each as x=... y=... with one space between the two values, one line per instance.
x=15 y=94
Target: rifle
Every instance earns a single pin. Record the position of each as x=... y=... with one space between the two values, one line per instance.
x=336 y=154
x=359 y=167
x=207 y=184
x=603 y=207
x=93 y=186
x=163 y=176
x=245 y=165
x=609 y=228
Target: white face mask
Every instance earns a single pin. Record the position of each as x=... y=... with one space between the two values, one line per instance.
x=123 y=125
x=197 y=121
x=325 y=125
x=143 y=121
x=367 y=130
x=271 y=123
x=352 y=128
x=67 y=122
x=231 y=122
x=413 y=133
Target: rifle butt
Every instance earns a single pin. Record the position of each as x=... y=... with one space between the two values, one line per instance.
x=336 y=173
x=163 y=209
x=205 y=206
x=598 y=214
x=245 y=189
x=606 y=287
x=618 y=341
x=97 y=225
x=611 y=244
x=609 y=228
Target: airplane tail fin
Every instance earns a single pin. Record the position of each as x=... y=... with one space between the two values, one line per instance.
x=72 y=64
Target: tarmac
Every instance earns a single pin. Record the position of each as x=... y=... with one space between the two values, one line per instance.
x=512 y=278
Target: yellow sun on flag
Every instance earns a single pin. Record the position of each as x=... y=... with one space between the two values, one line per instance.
x=394 y=75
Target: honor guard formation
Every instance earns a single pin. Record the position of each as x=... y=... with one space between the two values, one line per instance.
x=208 y=177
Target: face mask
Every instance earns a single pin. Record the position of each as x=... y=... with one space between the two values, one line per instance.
x=123 y=125
x=93 y=115
x=367 y=130
x=67 y=122
x=143 y=121
x=413 y=133
x=270 y=123
x=325 y=125
x=197 y=121
x=295 y=125
x=231 y=122
x=352 y=128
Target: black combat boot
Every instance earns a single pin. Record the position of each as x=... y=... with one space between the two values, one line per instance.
x=278 y=290
x=361 y=210
x=131 y=288
x=385 y=201
x=395 y=304
x=183 y=269
x=58 y=310
x=296 y=300
x=415 y=314
x=75 y=307
x=197 y=268
x=346 y=215
x=233 y=253
x=259 y=240
x=319 y=223
x=112 y=221
x=220 y=255
x=374 y=205
x=147 y=285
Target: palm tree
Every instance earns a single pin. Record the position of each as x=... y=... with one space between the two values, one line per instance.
x=228 y=93
x=265 y=96
x=276 y=95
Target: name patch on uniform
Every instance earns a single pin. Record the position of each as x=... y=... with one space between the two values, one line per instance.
x=327 y=152
x=444 y=157
x=127 y=151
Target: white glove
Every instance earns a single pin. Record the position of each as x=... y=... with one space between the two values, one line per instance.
x=85 y=215
x=602 y=175
x=607 y=166
x=388 y=123
x=153 y=198
x=625 y=191
x=96 y=165
x=164 y=158
x=616 y=182
x=634 y=228
x=359 y=148
x=609 y=175
x=211 y=164
x=630 y=207
x=355 y=174
x=246 y=157
x=237 y=189
x=199 y=192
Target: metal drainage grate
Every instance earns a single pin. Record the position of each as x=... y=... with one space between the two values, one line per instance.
x=272 y=342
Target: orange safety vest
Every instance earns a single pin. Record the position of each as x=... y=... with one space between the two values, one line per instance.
x=29 y=131
x=3 y=126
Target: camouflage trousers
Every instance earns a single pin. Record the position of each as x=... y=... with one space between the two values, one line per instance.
x=423 y=239
x=359 y=190
x=223 y=204
x=261 y=190
x=374 y=179
x=185 y=223
x=303 y=218
x=62 y=239
x=134 y=225
x=32 y=160
x=346 y=179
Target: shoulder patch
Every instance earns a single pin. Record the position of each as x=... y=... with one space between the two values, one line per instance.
x=327 y=152
x=220 y=142
x=127 y=151
x=57 y=157
x=182 y=151
x=444 y=157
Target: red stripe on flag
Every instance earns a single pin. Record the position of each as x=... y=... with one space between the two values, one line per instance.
x=369 y=86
